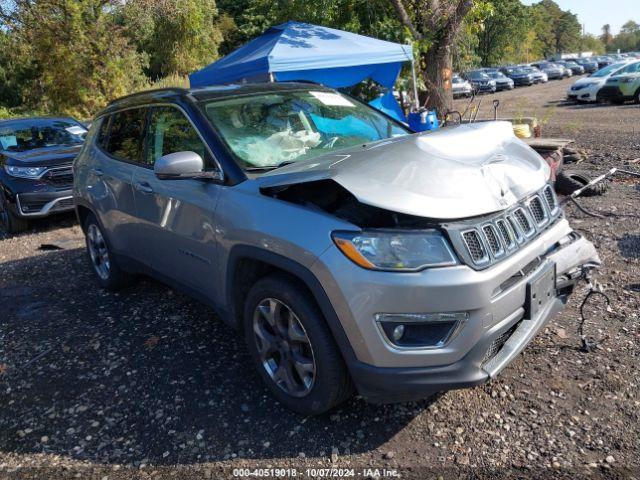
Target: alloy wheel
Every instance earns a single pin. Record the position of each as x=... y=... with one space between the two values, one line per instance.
x=284 y=347
x=98 y=251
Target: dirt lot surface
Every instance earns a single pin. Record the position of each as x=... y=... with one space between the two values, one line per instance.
x=148 y=384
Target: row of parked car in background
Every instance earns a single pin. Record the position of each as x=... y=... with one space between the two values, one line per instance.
x=495 y=79
x=36 y=177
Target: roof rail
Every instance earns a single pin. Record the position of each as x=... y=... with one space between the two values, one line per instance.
x=152 y=91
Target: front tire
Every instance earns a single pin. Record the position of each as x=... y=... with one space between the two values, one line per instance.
x=292 y=347
x=9 y=222
x=109 y=275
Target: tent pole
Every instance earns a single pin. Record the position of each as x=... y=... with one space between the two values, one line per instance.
x=415 y=85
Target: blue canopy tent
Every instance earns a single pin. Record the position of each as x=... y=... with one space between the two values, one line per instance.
x=301 y=51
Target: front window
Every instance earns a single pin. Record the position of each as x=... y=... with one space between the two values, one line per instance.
x=169 y=131
x=267 y=130
x=23 y=135
x=606 y=71
x=478 y=76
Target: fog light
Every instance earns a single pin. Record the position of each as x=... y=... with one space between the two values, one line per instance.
x=420 y=330
x=398 y=331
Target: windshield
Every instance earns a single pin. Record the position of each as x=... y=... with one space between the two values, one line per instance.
x=495 y=74
x=23 y=135
x=606 y=71
x=267 y=130
x=478 y=75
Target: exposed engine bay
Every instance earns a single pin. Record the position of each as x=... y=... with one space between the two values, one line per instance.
x=330 y=197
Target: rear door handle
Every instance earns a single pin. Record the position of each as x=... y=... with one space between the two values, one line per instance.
x=143 y=187
x=97 y=172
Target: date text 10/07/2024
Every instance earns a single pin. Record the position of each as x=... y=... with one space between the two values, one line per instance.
x=315 y=473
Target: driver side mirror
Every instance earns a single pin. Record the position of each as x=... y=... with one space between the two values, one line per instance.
x=180 y=166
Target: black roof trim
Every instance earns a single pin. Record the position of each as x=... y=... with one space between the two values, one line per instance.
x=204 y=93
x=39 y=117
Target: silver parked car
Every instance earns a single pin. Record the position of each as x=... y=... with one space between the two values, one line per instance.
x=460 y=87
x=352 y=254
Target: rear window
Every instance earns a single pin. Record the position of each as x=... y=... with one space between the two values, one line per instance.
x=125 y=134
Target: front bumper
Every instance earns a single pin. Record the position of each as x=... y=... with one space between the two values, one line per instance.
x=509 y=337
x=504 y=86
x=39 y=197
x=462 y=93
x=485 y=88
x=520 y=82
x=383 y=372
x=588 y=94
x=30 y=205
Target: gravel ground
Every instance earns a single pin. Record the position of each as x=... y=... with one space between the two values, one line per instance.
x=148 y=384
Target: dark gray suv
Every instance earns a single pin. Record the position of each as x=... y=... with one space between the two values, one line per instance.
x=351 y=253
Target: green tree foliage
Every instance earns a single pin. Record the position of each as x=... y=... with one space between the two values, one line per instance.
x=591 y=43
x=76 y=57
x=556 y=30
x=179 y=36
x=507 y=24
x=606 y=37
x=435 y=27
x=368 y=17
x=628 y=39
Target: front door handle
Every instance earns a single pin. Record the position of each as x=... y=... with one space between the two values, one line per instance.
x=143 y=187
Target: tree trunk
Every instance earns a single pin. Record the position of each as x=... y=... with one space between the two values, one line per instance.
x=437 y=73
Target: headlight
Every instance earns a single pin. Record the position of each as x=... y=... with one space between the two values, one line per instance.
x=406 y=251
x=584 y=85
x=24 y=172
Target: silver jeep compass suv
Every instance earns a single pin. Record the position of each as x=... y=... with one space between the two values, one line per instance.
x=351 y=253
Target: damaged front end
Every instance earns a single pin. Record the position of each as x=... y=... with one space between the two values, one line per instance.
x=487 y=254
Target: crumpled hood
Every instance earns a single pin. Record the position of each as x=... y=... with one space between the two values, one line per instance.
x=453 y=173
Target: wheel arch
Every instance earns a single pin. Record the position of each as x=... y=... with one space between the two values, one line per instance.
x=83 y=210
x=247 y=264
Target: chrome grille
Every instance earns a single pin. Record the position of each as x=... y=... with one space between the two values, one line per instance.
x=523 y=221
x=475 y=246
x=550 y=197
x=483 y=242
x=492 y=240
x=537 y=210
x=506 y=234
x=60 y=177
x=516 y=230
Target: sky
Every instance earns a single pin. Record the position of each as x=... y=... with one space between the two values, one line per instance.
x=595 y=13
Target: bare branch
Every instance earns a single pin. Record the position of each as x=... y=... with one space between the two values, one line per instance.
x=454 y=22
x=406 y=19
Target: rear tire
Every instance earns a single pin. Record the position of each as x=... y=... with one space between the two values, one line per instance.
x=569 y=182
x=292 y=347
x=9 y=222
x=636 y=97
x=109 y=275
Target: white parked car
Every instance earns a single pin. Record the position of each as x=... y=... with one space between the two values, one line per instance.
x=586 y=89
x=460 y=87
